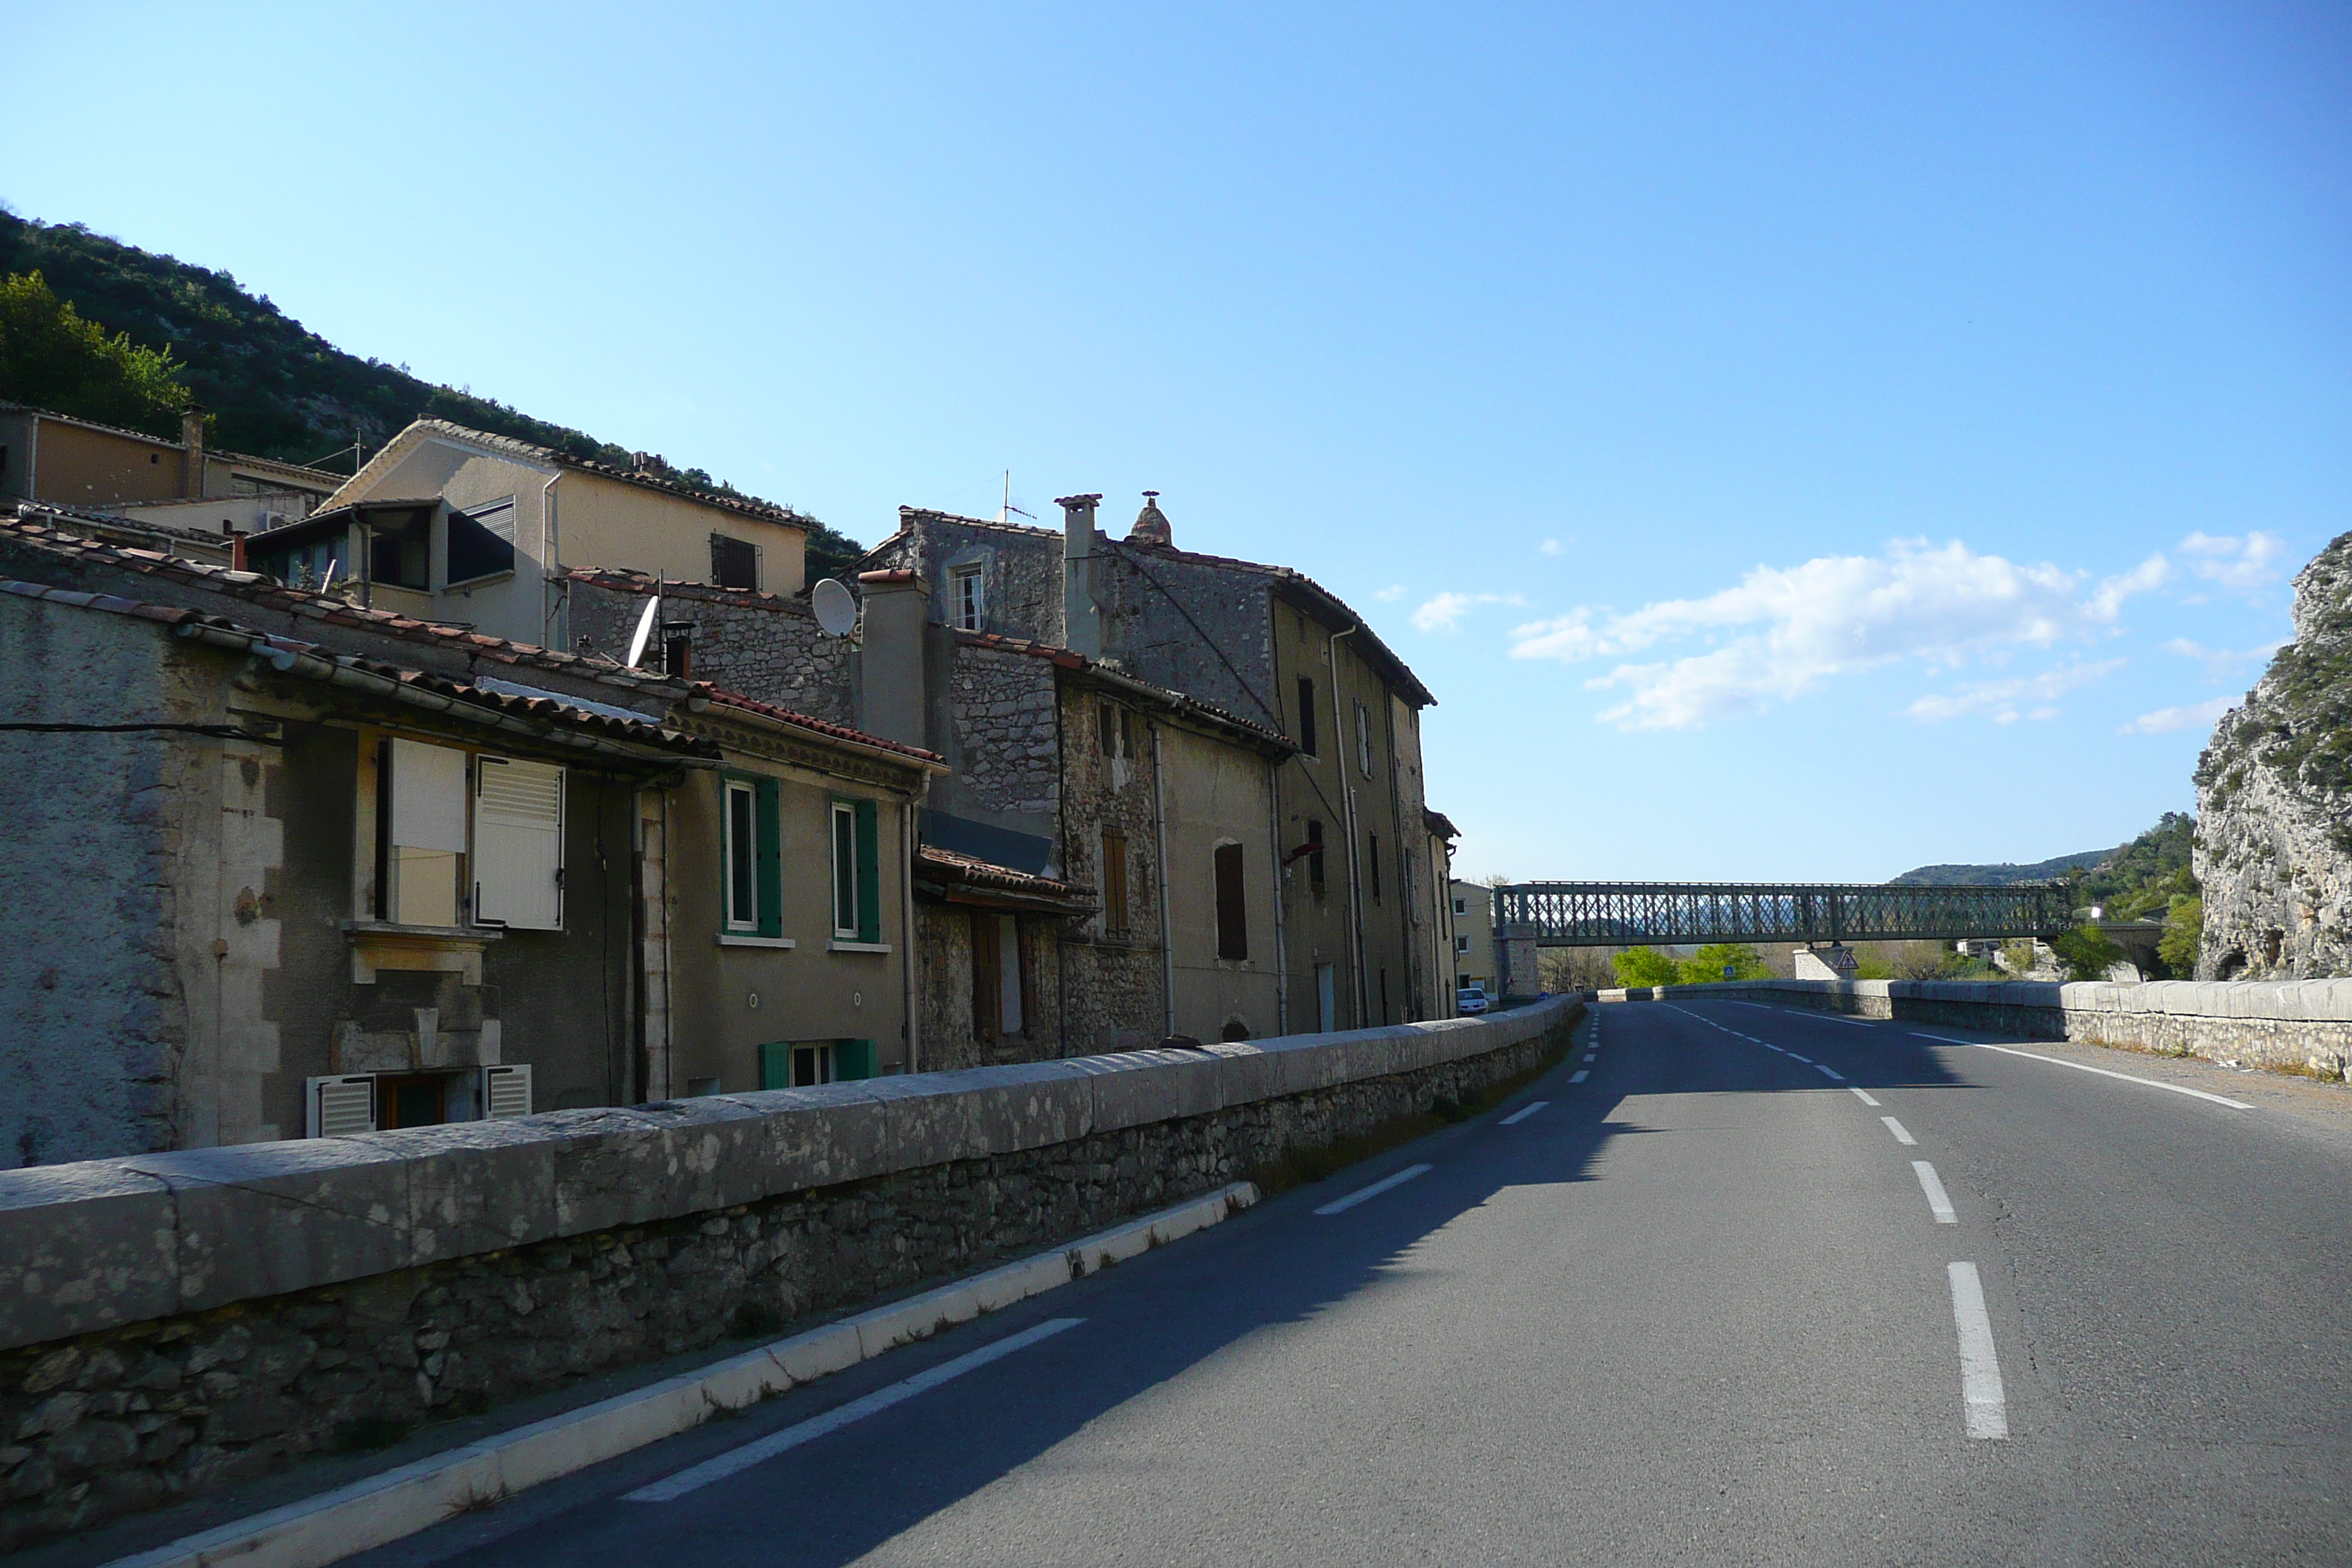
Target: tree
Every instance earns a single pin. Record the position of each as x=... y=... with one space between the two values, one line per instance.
x=2184 y=931
x=1646 y=966
x=52 y=358
x=1710 y=961
x=2087 y=952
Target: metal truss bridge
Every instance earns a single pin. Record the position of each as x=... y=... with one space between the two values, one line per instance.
x=1624 y=914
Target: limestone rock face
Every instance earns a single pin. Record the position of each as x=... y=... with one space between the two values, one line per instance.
x=2274 y=800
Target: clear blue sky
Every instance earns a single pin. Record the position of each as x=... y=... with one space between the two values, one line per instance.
x=1792 y=441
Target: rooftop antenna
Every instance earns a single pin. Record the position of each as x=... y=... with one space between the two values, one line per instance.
x=1010 y=510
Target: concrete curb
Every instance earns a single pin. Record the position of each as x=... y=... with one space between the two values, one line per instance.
x=400 y=1502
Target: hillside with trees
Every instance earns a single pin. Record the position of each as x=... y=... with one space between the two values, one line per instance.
x=100 y=330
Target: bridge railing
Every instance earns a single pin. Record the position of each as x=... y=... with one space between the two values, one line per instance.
x=1614 y=914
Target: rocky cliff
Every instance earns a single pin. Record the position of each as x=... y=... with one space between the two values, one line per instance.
x=2274 y=800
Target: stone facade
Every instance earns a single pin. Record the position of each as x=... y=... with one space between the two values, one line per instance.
x=1115 y=996
x=744 y=1238
x=1020 y=570
x=953 y=1037
x=1007 y=752
x=760 y=644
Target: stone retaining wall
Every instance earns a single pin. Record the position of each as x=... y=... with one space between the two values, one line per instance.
x=2296 y=1025
x=177 y=1324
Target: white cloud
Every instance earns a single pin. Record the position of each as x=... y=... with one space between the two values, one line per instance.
x=2221 y=662
x=1550 y=547
x=2233 y=562
x=2005 y=699
x=1784 y=630
x=2164 y=720
x=1390 y=595
x=1441 y=613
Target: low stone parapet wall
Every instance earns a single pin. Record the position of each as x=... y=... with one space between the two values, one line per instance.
x=173 y=1323
x=2292 y=1025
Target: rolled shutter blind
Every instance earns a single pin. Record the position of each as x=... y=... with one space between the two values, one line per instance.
x=870 y=872
x=505 y=1093
x=518 y=844
x=340 y=1106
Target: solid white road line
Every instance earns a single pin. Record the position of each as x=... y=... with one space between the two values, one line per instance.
x=1580 y=1075
x=1902 y=1134
x=1832 y=1072
x=1861 y=1094
x=1981 y=1390
x=2082 y=1067
x=1933 y=1185
x=1758 y=1005
x=1516 y=1117
x=735 y=1459
x=1341 y=1205
x=1841 y=1018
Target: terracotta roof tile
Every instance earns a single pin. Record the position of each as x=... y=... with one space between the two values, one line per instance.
x=809 y=721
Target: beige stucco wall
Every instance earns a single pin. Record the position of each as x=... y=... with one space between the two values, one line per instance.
x=1217 y=794
x=517 y=606
x=1478 y=923
x=77 y=466
x=605 y=522
x=805 y=993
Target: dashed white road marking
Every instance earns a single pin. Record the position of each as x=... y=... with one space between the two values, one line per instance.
x=1982 y=1396
x=1902 y=1134
x=1861 y=1094
x=1580 y=1075
x=1830 y=1071
x=1592 y=1055
x=1795 y=1057
x=727 y=1464
x=1341 y=1205
x=1516 y=1117
x=1933 y=1185
x=2084 y=1067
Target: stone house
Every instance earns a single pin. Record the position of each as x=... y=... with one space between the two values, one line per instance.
x=349 y=869
x=464 y=526
x=1361 y=907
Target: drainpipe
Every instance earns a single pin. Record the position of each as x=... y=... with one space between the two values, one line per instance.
x=1160 y=838
x=910 y=836
x=1355 y=862
x=1274 y=837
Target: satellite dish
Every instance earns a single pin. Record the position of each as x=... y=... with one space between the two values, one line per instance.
x=835 y=607
x=645 y=631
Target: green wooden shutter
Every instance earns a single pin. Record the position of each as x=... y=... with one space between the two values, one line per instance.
x=776 y=1064
x=869 y=873
x=772 y=860
x=852 y=1059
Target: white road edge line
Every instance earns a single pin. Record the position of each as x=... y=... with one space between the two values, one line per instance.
x=1516 y=1117
x=1981 y=1396
x=1902 y=1134
x=1938 y=1199
x=671 y=1487
x=2082 y=1067
x=1861 y=1094
x=1830 y=1071
x=1341 y=1205
x=1580 y=1075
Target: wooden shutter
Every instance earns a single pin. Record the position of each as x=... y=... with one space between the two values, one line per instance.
x=505 y=1093
x=852 y=1059
x=769 y=828
x=776 y=1064
x=338 y=1107
x=1114 y=878
x=987 y=970
x=518 y=844
x=1373 y=862
x=1233 y=907
x=869 y=871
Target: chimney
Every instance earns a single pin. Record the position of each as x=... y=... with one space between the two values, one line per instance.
x=891 y=697
x=1151 y=524
x=191 y=442
x=1081 y=620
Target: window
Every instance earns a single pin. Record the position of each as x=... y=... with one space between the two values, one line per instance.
x=804 y=1064
x=751 y=876
x=1306 y=717
x=734 y=562
x=1107 y=728
x=1233 y=907
x=481 y=541
x=1114 y=878
x=1315 y=858
x=1002 y=978
x=742 y=848
x=1461 y=906
x=400 y=553
x=518 y=861
x=1373 y=862
x=967 y=598
x=1462 y=944
x=677 y=652
x=1363 y=740
x=857 y=871
x=421 y=815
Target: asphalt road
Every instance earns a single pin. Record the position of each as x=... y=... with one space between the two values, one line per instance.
x=1698 y=1308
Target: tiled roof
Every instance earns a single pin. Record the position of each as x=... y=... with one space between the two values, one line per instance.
x=1066 y=658
x=625 y=582
x=907 y=513
x=1438 y=822
x=967 y=871
x=325 y=610
x=746 y=506
x=710 y=693
x=293 y=656
x=222 y=453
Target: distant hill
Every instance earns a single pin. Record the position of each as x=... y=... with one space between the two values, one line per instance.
x=2002 y=874
x=272 y=387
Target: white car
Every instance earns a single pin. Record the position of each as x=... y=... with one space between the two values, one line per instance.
x=1470 y=999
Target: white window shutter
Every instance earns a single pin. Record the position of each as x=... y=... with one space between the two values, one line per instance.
x=505 y=1093
x=518 y=844
x=338 y=1107
x=428 y=796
